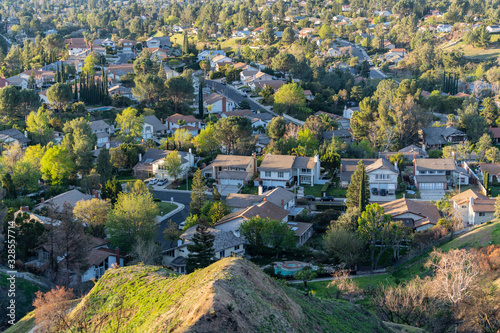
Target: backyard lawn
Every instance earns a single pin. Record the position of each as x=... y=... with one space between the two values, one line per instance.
x=166 y=207
x=126 y=179
x=315 y=190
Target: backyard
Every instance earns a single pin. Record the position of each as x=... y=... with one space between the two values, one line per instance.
x=315 y=191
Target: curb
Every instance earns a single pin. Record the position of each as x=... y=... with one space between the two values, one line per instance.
x=179 y=208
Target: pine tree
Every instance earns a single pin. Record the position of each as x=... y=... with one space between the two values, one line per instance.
x=353 y=191
x=362 y=193
x=201 y=250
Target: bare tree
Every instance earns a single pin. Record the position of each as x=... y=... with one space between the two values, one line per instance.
x=51 y=309
x=346 y=287
x=147 y=252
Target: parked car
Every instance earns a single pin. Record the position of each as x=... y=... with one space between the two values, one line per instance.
x=153 y=181
x=327 y=198
x=383 y=192
x=181 y=225
x=310 y=197
x=223 y=83
x=161 y=182
x=375 y=191
x=245 y=95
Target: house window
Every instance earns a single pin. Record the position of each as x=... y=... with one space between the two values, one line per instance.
x=482 y=214
x=221 y=254
x=304 y=170
x=281 y=174
x=464 y=206
x=237 y=247
x=267 y=173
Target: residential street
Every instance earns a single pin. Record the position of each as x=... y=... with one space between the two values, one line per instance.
x=357 y=51
x=182 y=197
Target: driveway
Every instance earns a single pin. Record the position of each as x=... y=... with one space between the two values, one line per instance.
x=382 y=198
x=431 y=194
x=226 y=189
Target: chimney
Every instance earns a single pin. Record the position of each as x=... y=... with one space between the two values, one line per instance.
x=264 y=199
x=107 y=145
x=26 y=134
x=223 y=103
x=316 y=158
x=25 y=208
x=261 y=190
x=140 y=157
x=117 y=252
x=396 y=166
x=282 y=202
x=42 y=200
x=254 y=156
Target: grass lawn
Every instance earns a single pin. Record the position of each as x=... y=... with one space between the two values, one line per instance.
x=231 y=43
x=126 y=179
x=481 y=236
x=477 y=53
x=166 y=207
x=183 y=184
x=316 y=191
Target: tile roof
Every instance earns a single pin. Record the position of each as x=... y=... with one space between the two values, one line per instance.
x=13 y=133
x=299 y=227
x=232 y=161
x=155 y=122
x=491 y=168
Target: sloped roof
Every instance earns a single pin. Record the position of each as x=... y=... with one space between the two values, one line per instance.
x=71 y=197
x=466 y=195
x=13 y=133
x=277 y=162
x=223 y=239
x=348 y=166
x=155 y=122
x=264 y=210
x=484 y=205
x=276 y=195
x=437 y=135
x=299 y=228
x=238 y=200
x=381 y=163
x=232 y=161
x=443 y=164
x=491 y=168
x=98 y=125
x=302 y=162
x=426 y=209
x=188 y=119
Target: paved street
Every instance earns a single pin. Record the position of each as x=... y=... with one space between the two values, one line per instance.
x=181 y=197
x=234 y=94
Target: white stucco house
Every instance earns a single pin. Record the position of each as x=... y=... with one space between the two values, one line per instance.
x=218 y=103
x=152 y=128
x=102 y=130
x=474 y=208
x=152 y=164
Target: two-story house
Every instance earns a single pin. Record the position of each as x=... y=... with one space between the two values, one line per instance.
x=257 y=77
x=381 y=173
x=433 y=173
x=126 y=45
x=219 y=59
x=153 y=161
x=417 y=215
x=102 y=130
x=278 y=196
x=493 y=169
x=218 y=104
x=265 y=210
x=207 y=54
x=474 y=208
x=282 y=170
x=189 y=122
x=226 y=244
x=158 y=42
x=233 y=170
x=152 y=128
x=438 y=137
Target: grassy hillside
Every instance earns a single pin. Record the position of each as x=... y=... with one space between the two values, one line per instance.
x=481 y=236
x=232 y=295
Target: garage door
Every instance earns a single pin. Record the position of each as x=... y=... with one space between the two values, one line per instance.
x=431 y=186
x=231 y=181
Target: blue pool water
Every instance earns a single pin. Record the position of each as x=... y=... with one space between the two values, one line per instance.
x=286 y=272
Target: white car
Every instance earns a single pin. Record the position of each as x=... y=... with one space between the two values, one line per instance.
x=181 y=225
x=153 y=181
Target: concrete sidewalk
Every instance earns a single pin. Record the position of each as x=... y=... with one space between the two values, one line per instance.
x=375 y=272
x=179 y=208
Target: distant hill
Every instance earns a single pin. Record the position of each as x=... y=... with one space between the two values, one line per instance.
x=232 y=295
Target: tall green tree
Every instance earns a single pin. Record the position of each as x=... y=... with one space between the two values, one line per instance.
x=111 y=189
x=276 y=128
x=173 y=165
x=232 y=133
x=130 y=123
x=198 y=196
x=60 y=95
x=201 y=250
x=354 y=189
x=56 y=165
x=179 y=90
x=80 y=141
x=104 y=166
x=132 y=218
x=375 y=228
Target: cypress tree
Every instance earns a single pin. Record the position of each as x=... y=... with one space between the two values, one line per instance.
x=63 y=74
x=58 y=74
x=185 y=49
x=75 y=92
x=200 y=101
x=201 y=250
x=486 y=180
x=362 y=193
x=353 y=191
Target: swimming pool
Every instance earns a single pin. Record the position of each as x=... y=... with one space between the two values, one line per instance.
x=105 y=108
x=289 y=268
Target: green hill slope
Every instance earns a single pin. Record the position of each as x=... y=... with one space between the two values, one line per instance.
x=232 y=295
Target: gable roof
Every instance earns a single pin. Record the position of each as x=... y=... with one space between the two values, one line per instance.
x=71 y=197
x=491 y=168
x=443 y=164
x=155 y=122
x=188 y=119
x=265 y=210
x=99 y=125
x=348 y=166
x=438 y=135
x=232 y=161
x=223 y=239
x=277 y=162
x=381 y=163
x=426 y=209
x=466 y=196
x=13 y=133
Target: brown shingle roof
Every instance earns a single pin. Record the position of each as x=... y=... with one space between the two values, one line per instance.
x=265 y=210
x=447 y=164
x=277 y=162
x=466 y=195
x=484 y=205
x=491 y=168
x=232 y=161
x=426 y=209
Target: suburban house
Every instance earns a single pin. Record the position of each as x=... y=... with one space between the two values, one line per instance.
x=343 y=134
x=70 y=197
x=13 y=135
x=438 y=137
x=121 y=90
x=410 y=152
x=260 y=119
x=492 y=168
x=474 y=208
x=158 y=42
x=381 y=173
x=232 y=170
x=236 y=113
x=189 y=122
x=102 y=130
x=101 y=258
x=282 y=170
x=126 y=45
x=205 y=54
x=17 y=81
x=115 y=72
x=417 y=215
x=265 y=210
x=275 y=84
x=349 y=111
x=153 y=128
x=152 y=164
x=76 y=45
x=219 y=103
x=219 y=59
x=41 y=77
x=495 y=134
x=278 y=196
x=388 y=45
x=493 y=29
x=257 y=77
x=225 y=244
x=444 y=28
x=433 y=173
x=303 y=231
